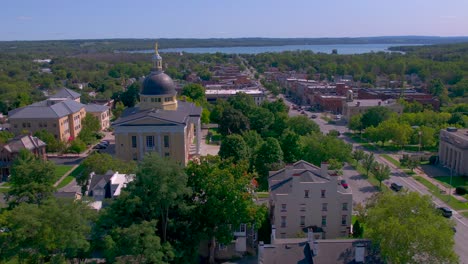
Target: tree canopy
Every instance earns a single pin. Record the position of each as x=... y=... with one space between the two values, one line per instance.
x=407 y=229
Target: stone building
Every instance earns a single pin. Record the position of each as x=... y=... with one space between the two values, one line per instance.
x=159 y=123
x=453 y=150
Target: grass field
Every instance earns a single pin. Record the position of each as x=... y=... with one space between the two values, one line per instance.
x=391 y=160
x=456 y=181
x=76 y=172
x=454 y=203
x=60 y=170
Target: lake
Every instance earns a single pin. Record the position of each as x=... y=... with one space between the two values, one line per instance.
x=341 y=48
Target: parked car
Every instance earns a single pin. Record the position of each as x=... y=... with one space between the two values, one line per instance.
x=303 y=113
x=446 y=212
x=313 y=116
x=105 y=142
x=100 y=146
x=344 y=184
x=396 y=186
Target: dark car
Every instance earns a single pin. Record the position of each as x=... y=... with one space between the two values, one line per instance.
x=104 y=142
x=396 y=186
x=344 y=184
x=313 y=116
x=446 y=212
x=100 y=146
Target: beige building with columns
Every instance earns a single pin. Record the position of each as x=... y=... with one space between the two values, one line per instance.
x=159 y=123
x=303 y=196
x=453 y=150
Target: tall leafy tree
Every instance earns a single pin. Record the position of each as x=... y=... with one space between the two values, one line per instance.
x=31 y=179
x=234 y=146
x=260 y=120
x=407 y=229
x=290 y=146
x=302 y=125
x=222 y=199
x=137 y=243
x=194 y=91
x=268 y=157
x=161 y=185
x=243 y=102
x=374 y=116
x=233 y=122
x=381 y=172
x=52 y=231
x=368 y=162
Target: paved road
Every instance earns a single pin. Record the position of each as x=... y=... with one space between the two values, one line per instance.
x=362 y=189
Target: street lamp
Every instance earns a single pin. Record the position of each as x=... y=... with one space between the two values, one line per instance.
x=419 y=133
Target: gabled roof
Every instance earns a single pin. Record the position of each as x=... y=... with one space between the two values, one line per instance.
x=66 y=93
x=23 y=142
x=46 y=109
x=98 y=178
x=179 y=116
x=95 y=108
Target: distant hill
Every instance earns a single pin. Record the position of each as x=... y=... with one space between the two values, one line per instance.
x=78 y=46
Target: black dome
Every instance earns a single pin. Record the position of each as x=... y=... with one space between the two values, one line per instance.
x=158 y=83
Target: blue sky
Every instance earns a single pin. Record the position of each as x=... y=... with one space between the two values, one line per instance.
x=85 y=19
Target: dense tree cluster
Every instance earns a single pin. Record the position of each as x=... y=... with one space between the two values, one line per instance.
x=267 y=138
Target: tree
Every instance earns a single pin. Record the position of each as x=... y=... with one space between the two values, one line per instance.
x=131 y=96
x=100 y=164
x=260 y=120
x=160 y=184
x=31 y=179
x=268 y=157
x=90 y=126
x=233 y=122
x=358 y=155
x=290 y=146
x=358 y=230
x=355 y=123
x=374 y=116
x=368 y=162
x=234 y=146
x=119 y=108
x=53 y=230
x=222 y=199
x=302 y=125
x=52 y=144
x=243 y=102
x=137 y=244
x=381 y=172
x=316 y=148
x=194 y=91
x=77 y=146
x=5 y=136
x=407 y=229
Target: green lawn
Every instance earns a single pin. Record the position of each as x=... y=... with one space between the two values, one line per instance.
x=77 y=172
x=391 y=160
x=3 y=190
x=60 y=170
x=453 y=202
x=65 y=181
x=456 y=181
x=465 y=214
x=262 y=194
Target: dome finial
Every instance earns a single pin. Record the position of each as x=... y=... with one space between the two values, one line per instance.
x=157 y=59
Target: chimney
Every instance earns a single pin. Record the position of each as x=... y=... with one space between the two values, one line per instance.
x=273 y=234
x=261 y=248
x=380 y=103
x=324 y=169
x=358 y=103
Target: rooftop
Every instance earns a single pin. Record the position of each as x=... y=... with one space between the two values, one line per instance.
x=23 y=142
x=370 y=102
x=233 y=91
x=46 y=109
x=66 y=93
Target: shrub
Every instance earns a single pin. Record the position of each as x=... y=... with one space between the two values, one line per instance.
x=77 y=146
x=461 y=190
x=432 y=159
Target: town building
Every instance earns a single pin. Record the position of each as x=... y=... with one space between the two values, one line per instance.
x=352 y=107
x=108 y=185
x=453 y=150
x=10 y=150
x=214 y=94
x=159 y=123
x=304 y=195
x=309 y=250
x=408 y=94
x=60 y=115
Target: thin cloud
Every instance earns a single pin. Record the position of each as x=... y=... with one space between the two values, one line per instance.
x=24 y=18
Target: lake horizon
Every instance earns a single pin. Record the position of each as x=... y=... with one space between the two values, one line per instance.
x=343 y=49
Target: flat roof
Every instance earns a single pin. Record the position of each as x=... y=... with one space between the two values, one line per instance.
x=233 y=91
x=370 y=102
